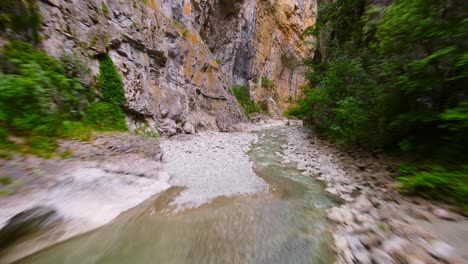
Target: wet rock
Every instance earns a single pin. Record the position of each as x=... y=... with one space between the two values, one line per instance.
x=27 y=223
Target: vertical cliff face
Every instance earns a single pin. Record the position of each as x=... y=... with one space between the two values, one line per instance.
x=179 y=59
x=259 y=43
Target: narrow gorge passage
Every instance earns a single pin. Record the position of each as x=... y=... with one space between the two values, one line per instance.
x=247 y=206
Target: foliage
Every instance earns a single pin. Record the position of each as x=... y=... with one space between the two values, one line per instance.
x=437 y=182
x=5 y=180
x=110 y=82
x=146 y=131
x=392 y=77
x=242 y=95
x=35 y=93
x=105 y=117
x=75 y=129
x=268 y=84
x=22 y=17
x=105 y=9
x=40 y=101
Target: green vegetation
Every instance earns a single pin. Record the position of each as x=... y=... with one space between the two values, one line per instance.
x=5 y=180
x=242 y=95
x=110 y=82
x=5 y=192
x=146 y=131
x=437 y=182
x=22 y=17
x=41 y=101
x=66 y=154
x=268 y=84
x=394 y=77
x=185 y=32
x=218 y=60
x=35 y=95
x=105 y=9
x=105 y=116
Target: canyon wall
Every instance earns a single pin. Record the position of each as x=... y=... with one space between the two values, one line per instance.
x=179 y=59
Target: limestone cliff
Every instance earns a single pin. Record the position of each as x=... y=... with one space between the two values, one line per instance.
x=179 y=59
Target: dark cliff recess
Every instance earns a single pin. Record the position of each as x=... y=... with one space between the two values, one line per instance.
x=20 y=19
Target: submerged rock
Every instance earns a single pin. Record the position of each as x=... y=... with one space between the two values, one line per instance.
x=27 y=223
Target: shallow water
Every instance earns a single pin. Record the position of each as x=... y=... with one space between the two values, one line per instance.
x=285 y=225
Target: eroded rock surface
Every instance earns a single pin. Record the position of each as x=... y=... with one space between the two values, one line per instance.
x=100 y=179
x=179 y=59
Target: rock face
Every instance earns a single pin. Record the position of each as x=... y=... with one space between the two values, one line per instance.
x=179 y=59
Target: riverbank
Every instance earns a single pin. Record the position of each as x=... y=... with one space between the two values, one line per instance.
x=117 y=171
x=376 y=224
x=236 y=202
x=60 y=198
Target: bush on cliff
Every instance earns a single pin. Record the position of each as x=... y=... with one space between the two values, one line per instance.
x=242 y=95
x=39 y=102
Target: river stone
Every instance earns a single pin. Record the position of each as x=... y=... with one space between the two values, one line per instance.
x=420 y=214
x=443 y=214
x=443 y=251
x=26 y=223
x=340 y=215
x=381 y=257
x=362 y=204
x=394 y=244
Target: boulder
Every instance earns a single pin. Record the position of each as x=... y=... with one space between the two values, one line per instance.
x=27 y=223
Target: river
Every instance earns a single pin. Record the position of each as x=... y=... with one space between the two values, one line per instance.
x=286 y=224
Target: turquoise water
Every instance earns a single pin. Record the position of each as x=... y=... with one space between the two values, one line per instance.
x=286 y=225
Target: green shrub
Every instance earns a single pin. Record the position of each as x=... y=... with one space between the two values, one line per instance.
x=43 y=146
x=110 y=82
x=146 y=131
x=105 y=117
x=268 y=84
x=6 y=192
x=40 y=101
x=76 y=130
x=378 y=79
x=437 y=182
x=35 y=94
x=5 y=180
x=242 y=95
x=105 y=9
